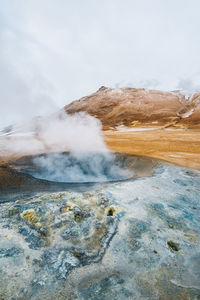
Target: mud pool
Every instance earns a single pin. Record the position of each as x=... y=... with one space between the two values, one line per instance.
x=80 y=167
x=130 y=239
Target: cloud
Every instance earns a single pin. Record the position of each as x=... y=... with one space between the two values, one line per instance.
x=24 y=93
x=189 y=86
x=22 y=99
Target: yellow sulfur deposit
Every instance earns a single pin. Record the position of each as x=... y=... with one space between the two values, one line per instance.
x=30 y=216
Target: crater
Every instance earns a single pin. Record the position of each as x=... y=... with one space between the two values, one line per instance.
x=89 y=167
x=55 y=172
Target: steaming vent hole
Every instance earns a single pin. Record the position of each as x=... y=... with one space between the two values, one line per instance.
x=79 y=167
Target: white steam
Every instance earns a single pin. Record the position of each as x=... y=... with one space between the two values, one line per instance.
x=76 y=133
x=87 y=158
x=60 y=132
x=79 y=167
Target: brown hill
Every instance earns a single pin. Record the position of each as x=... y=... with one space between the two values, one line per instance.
x=149 y=107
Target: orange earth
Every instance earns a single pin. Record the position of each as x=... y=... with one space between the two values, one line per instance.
x=181 y=147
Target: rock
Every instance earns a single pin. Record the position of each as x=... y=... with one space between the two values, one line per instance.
x=78 y=214
x=30 y=216
x=110 y=211
x=173 y=246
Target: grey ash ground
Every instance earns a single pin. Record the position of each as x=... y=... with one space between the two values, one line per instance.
x=134 y=239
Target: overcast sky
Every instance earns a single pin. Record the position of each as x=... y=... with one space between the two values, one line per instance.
x=53 y=52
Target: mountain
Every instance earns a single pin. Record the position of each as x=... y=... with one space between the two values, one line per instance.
x=130 y=106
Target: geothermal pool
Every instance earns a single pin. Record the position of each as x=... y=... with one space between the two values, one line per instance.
x=81 y=167
x=131 y=237
x=84 y=168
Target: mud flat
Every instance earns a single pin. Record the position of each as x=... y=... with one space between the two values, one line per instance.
x=178 y=146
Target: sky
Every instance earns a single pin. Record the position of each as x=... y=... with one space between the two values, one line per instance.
x=54 y=52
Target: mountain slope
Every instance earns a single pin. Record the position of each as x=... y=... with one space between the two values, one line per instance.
x=130 y=105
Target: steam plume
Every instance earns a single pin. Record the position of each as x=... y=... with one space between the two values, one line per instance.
x=80 y=135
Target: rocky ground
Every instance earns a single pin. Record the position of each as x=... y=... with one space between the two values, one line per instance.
x=137 y=239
